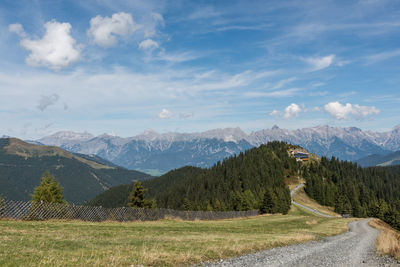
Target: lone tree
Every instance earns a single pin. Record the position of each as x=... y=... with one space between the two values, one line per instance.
x=49 y=190
x=136 y=198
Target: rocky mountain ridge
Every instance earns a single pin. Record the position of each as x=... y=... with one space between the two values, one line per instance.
x=151 y=150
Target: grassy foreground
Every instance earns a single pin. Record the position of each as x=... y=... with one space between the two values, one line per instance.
x=167 y=242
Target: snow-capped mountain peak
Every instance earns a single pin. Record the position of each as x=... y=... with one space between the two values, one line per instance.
x=171 y=150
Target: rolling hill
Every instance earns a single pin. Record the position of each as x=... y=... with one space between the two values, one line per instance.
x=22 y=165
x=380 y=160
x=237 y=183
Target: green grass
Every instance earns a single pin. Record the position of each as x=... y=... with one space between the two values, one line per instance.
x=167 y=242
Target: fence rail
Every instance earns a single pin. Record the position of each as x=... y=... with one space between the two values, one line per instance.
x=21 y=210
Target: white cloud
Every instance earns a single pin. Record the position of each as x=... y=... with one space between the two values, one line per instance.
x=292 y=110
x=150 y=27
x=165 y=114
x=282 y=83
x=205 y=12
x=316 y=109
x=18 y=29
x=148 y=44
x=342 y=112
x=158 y=18
x=319 y=63
x=176 y=57
x=372 y=59
x=275 y=113
x=342 y=63
x=46 y=101
x=276 y=94
x=57 y=48
x=103 y=30
x=186 y=115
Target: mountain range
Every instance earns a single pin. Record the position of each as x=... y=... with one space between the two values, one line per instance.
x=156 y=153
x=82 y=177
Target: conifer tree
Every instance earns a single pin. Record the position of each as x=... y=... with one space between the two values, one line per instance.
x=268 y=204
x=186 y=204
x=136 y=198
x=49 y=190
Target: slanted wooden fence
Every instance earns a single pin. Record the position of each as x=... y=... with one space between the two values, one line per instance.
x=21 y=210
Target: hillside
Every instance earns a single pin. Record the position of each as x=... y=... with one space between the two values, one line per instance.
x=380 y=160
x=350 y=189
x=22 y=165
x=237 y=183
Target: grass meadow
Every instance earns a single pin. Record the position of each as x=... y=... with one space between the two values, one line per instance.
x=161 y=243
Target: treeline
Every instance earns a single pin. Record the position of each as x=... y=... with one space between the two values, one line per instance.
x=251 y=180
x=350 y=189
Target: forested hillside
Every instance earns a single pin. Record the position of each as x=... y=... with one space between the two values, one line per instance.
x=22 y=165
x=350 y=189
x=238 y=183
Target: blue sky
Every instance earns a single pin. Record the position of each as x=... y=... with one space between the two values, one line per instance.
x=125 y=66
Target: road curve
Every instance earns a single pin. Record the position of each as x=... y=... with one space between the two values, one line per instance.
x=305 y=207
x=353 y=248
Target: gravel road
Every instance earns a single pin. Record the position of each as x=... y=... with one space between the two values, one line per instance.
x=305 y=207
x=354 y=248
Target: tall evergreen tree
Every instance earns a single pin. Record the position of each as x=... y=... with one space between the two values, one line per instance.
x=268 y=203
x=49 y=190
x=136 y=198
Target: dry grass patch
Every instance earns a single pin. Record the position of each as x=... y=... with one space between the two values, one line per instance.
x=314 y=221
x=388 y=241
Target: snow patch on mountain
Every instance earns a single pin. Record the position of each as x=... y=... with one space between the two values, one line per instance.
x=151 y=149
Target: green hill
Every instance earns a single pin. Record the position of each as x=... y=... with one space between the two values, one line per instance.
x=237 y=183
x=22 y=165
x=350 y=189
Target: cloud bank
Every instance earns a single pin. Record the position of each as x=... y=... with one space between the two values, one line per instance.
x=342 y=112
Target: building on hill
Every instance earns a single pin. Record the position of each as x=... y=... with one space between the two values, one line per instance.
x=300 y=156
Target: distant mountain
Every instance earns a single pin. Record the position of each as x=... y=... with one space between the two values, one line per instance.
x=380 y=160
x=151 y=151
x=22 y=165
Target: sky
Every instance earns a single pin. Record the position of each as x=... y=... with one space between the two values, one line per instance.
x=121 y=67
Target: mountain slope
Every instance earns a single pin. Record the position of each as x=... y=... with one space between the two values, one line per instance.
x=22 y=165
x=152 y=151
x=380 y=160
x=350 y=189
